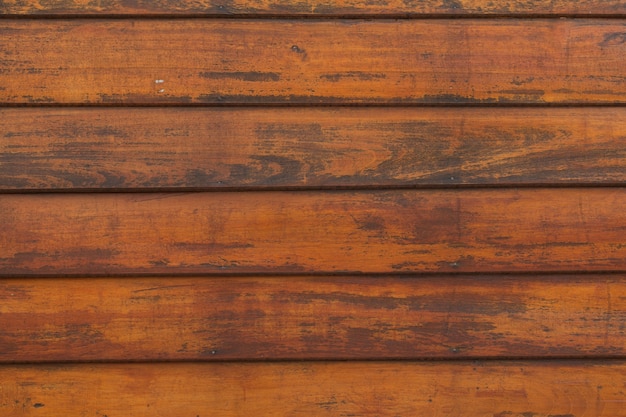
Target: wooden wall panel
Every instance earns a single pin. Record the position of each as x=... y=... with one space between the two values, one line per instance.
x=480 y=230
x=270 y=318
x=165 y=148
x=298 y=61
x=313 y=7
x=377 y=183
x=477 y=389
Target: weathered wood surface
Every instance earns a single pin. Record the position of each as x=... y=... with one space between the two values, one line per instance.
x=124 y=319
x=478 y=230
x=313 y=7
x=166 y=148
x=217 y=61
x=477 y=389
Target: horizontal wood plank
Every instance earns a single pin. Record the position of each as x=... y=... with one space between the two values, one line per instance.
x=311 y=318
x=312 y=7
x=165 y=148
x=297 y=61
x=480 y=230
x=478 y=389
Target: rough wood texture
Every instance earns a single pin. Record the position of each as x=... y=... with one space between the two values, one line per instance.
x=478 y=389
x=116 y=149
x=297 y=61
x=311 y=318
x=313 y=7
x=269 y=119
x=293 y=232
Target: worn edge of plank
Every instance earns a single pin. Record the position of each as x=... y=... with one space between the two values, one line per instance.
x=314 y=8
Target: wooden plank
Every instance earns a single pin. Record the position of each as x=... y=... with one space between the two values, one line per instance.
x=165 y=148
x=297 y=61
x=312 y=7
x=504 y=230
x=149 y=319
x=479 y=389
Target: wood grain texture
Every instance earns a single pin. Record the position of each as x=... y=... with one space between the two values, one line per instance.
x=478 y=389
x=305 y=318
x=297 y=61
x=312 y=7
x=165 y=148
x=485 y=230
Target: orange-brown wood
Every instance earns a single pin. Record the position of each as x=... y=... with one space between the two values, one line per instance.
x=477 y=389
x=165 y=148
x=313 y=7
x=297 y=61
x=291 y=232
x=273 y=253
x=311 y=318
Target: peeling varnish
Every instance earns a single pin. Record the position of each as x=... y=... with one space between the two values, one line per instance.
x=162 y=90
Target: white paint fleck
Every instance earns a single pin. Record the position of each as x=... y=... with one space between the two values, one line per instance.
x=161 y=90
x=158 y=81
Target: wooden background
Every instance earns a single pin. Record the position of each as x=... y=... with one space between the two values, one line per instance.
x=312 y=208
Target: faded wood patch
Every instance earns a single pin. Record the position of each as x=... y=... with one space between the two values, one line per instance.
x=502 y=389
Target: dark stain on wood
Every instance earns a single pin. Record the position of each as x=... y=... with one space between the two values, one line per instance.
x=244 y=76
x=614 y=39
